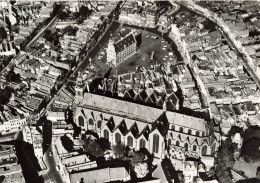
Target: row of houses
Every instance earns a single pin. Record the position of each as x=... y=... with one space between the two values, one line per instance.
x=148 y=14
x=10 y=169
x=243 y=19
x=220 y=74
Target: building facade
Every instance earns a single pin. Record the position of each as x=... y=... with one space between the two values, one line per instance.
x=6 y=48
x=13 y=125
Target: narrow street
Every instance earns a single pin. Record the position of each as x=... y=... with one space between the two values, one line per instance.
x=94 y=51
x=51 y=23
x=52 y=173
x=11 y=64
x=50 y=157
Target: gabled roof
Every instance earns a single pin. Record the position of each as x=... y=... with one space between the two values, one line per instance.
x=151 y=100
x=129 y=94
x=122 y=127
x=140 y=112
x=82 y=111
x=129 y=123
x=166 y=172
x=134 y=130
x=146 y=130
x=160 y=102
x=111 y=124
x=186 y=121
x=163 y=118
x=124 y=43
x=138 y=98
x=170 y=105
x=161 y=127
x=143 y=94
x=173 y=99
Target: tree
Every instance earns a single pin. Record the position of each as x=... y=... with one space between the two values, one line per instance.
x=5 y=95
x=252 y=131
x=119 y=150
x=138 y=157
x=70 y=30
x=225 y=161
x=211 y=172
x=3 y=34
x=62 y=15
x=258 y=172
x=84 y=11
x=2 y=178
x=104 y=143
x=13 y=77
x=250 y=150
x=67 y=143
x=93 y=148
x=181 y=177
x=80 y=21
x=141 y=170
x=52 y=37
x=234 y=130
x=102 y=18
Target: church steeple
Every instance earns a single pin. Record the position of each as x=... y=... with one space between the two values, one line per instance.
x=111 y=52
x=81 y=85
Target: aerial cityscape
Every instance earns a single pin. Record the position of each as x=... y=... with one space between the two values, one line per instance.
x=130 y=91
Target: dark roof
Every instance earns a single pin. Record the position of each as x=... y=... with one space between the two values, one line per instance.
x=250 y=106
x=170 y=106
x=173 y=99
x=156 y=94
x=166 y=172
x=145 y=132
x=151 y=100
x=236 y=109
x=160 y=102
x=162 y=124
x=125 y=42
x=122 y=127
x=143 y=94
x=129 y=94
x=151 y=11
x=134 y=130
x=111 y=124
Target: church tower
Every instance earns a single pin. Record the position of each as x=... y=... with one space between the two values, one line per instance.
x=82 y=86
x=79 y=89
x=111 y=52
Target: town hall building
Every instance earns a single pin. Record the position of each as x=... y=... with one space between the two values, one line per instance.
x=121 y=50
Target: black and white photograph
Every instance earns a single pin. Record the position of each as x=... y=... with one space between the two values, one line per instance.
x=129 y=91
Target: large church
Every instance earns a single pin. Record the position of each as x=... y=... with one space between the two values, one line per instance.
x=137 y=126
